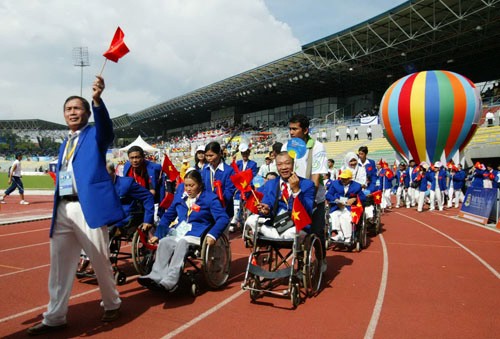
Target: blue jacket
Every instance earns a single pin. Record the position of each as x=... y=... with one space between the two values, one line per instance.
x=382 y=182
x=441 y=179
x=306 y=195
x=477 y=178
x=98 y=199
x=130 y=194
x=371 y=174
x=403 y=178
x=211 y=215
x=336 y=191
x=155 y=176
x=458 y=180
x=228 y=188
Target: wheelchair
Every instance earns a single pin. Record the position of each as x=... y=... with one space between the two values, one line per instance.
x=359 y=237
x=117 y=236
x=374 y=225
x=212 y=263
x=284 y=267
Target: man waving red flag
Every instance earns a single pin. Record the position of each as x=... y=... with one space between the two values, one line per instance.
x=117 y=49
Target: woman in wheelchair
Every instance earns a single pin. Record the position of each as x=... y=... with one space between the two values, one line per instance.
x=198 y=212
x=341 y=195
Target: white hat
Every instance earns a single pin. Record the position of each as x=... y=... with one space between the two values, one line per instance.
x=243 y=147
x=185 y=160
x=438 y=164
x=200 y=148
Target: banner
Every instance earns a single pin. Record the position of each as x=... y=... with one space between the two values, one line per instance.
x=366 y=121
x=478 y=203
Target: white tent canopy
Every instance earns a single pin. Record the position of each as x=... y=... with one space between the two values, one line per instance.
x=142 y=144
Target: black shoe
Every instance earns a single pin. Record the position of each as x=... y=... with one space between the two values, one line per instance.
x=150 y=284
x=110 y=315
x=41 y=328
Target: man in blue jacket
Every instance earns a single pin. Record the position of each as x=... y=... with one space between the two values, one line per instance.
x=457 y=182
x=84 y=203
x=146 y=173
x=285 y=189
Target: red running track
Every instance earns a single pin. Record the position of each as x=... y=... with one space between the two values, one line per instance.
x=427 y=275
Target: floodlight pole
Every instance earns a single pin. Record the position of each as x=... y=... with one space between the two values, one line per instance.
x=81 y=59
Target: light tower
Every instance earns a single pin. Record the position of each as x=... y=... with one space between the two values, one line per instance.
x=81 y=59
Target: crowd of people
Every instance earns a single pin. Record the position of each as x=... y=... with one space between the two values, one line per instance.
x=205 y=198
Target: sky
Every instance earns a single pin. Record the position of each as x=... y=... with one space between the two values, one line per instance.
x=176 y=46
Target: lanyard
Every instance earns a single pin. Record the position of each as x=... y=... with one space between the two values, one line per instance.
x=69 y=153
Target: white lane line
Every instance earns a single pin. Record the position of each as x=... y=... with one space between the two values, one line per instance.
x=17 y=233
x=477 y=257
x=377 y=309
x=22 y=247
x=25 y=270
x=489 y=228
x=203 y=315
x=39 y=308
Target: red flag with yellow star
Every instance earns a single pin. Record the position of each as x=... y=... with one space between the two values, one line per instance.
x=169 y=169
x=242 y=180
x=356 y=211
x=377 y=197
x=300 y=216
x=253 y=200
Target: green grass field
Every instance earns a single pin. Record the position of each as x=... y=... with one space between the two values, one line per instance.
x=38 y=182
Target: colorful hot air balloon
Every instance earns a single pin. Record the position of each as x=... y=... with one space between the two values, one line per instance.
x=429 y=116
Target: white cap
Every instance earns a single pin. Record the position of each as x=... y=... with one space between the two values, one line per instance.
x=185 y=160
x=438 y=164
x=243 y=147
x=200 y=148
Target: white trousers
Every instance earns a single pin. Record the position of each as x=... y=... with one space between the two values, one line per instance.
x=386 y=198
x=456 y=196
x=420 y=200
x=268 y=231
x=436 y=196
x=402 y=192
x=412 y=197
x=71 y=234
x=341 y=221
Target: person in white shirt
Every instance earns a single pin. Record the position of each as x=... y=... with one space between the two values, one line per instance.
x=15 y=181
x=265 y=168
x=348 y=133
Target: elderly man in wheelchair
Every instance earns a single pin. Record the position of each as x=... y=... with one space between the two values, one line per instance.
x=341 y=195
x=200 y=217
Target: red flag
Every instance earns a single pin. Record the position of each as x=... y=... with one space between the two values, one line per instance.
x=389 y=174
x=356 y=211
x=169 y=169
x=218 y=191
x=167 y=201
x=53 y=176
x=235 y=166
x=117 y=49
x=377 y=197
x=252 y=203
x=242 y=180
x=300 y=216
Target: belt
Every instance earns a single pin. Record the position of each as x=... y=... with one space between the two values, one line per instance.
x=70 y=198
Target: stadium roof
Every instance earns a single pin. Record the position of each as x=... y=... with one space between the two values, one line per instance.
x=457 y=35
x=33 y=124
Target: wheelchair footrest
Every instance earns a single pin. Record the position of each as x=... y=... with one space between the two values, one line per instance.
x=257 y=270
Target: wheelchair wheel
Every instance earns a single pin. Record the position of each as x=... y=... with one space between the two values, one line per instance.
x=312 y=274
x=216 y=262
x=363 y=235
x=142 y=257
x=295 y=295
x=120 y=278
x=254 y=287
x=195 y=290
x=376 y=219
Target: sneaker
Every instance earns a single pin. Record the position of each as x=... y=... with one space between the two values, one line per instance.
x=347 y=240
x=2 y=198
x=24 y=202
x=232 y=228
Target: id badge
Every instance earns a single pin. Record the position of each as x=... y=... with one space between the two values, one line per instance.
x=65 y=183
x=377 y=183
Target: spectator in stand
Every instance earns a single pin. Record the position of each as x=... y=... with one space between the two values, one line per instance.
x=15 y=181
x=348 y=133
x=323 y=136
x=337 y=135
x=356 y=133
x=369 y=132
x=490 y=117
x=184 y=167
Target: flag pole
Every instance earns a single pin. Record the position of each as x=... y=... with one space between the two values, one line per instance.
x=255 y=196
x=102 y=69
